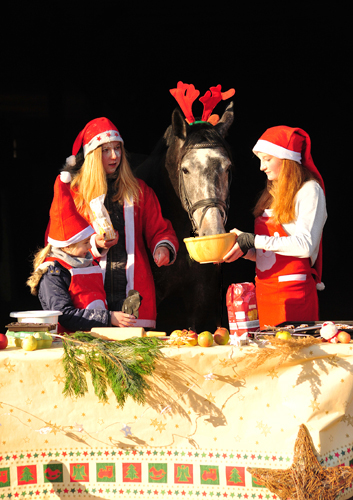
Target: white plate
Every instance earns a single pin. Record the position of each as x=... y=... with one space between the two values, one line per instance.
x=36 y=316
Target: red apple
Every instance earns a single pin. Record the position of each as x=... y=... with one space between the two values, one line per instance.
x=184 y=337
x=176 y=334
x=3 y=341
x=192 y=338
x=221 y=336
x=205 y=339
x=343 y=337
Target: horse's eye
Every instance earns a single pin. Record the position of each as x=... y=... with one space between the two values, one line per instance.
x=185 y=170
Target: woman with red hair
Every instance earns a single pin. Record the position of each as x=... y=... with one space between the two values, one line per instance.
x=289 y=218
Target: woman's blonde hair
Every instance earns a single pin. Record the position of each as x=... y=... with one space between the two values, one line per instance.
x=91 y=182
x=36 y=275
x=280 y=195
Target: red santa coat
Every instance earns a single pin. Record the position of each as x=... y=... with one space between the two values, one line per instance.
x=143 y=221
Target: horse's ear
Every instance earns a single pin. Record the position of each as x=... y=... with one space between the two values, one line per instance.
x=179 y=124
x=226 y=120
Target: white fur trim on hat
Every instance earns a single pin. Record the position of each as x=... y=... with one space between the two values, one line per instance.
x=71 y=161
x=99 y=139
x=82 y=235
x=65 y=177
x=274 y=150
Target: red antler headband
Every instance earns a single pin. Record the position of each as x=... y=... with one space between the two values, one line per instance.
x=185 y=94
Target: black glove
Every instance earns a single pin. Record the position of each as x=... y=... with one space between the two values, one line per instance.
x=246 y=241
x=132 y=303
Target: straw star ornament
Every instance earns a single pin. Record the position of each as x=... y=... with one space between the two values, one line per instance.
x=305 y=479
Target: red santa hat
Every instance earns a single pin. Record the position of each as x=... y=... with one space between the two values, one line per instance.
x=66 y=225
x=288 y=143
x=96 y=132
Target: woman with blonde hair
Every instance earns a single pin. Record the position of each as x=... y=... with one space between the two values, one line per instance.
x=65 y=276
x=102 y=168
x=289 y=219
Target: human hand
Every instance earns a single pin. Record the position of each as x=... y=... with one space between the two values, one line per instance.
x=106 y=244
x=235 y=252
x=118 y=318
x=162 y=256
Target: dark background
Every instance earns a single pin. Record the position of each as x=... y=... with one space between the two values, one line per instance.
x=61 y=68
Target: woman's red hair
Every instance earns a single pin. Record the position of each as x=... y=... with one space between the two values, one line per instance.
x=280 y=195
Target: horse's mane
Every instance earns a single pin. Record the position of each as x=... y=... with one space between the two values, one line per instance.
x=202 y=133
x=159 y=150
x=150 y=167
x=205 y=134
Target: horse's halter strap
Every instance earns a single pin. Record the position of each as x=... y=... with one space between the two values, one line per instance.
x=206 y=203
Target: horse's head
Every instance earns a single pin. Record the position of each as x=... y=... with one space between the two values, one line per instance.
x=199 y=165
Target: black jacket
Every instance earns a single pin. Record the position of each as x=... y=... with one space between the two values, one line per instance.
x=54 y=295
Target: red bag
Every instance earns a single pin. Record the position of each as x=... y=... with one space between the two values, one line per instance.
x=242 y=308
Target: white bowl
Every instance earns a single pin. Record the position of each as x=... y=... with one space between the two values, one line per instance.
x=36 y=316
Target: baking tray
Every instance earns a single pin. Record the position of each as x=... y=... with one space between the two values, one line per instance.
x=305 y=328
x=313 y=327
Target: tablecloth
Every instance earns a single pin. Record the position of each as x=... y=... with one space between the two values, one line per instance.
x=210 y=414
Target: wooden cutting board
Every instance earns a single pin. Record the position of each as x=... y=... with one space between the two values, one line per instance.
x=115 y=333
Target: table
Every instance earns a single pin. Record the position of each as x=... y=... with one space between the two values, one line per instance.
x=209 y=415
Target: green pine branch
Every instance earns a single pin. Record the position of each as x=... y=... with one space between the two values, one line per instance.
x=119 y=365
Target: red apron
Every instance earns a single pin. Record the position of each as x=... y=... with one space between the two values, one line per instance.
x=285 y=288
x=86 y=287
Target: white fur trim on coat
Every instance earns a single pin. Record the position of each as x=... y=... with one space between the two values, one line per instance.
x=65 y=177
x=130 y=244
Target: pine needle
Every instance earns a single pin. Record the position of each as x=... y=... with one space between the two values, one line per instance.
x=119 y=365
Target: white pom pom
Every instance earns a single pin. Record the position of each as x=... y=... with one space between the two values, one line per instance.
x=71 y=161
x=320 y=286
x=65 y=177
x=328 y=330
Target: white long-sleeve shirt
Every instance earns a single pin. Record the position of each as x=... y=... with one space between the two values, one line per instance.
x=304 y=233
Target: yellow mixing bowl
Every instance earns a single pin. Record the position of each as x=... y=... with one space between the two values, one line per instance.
x=212 y=248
